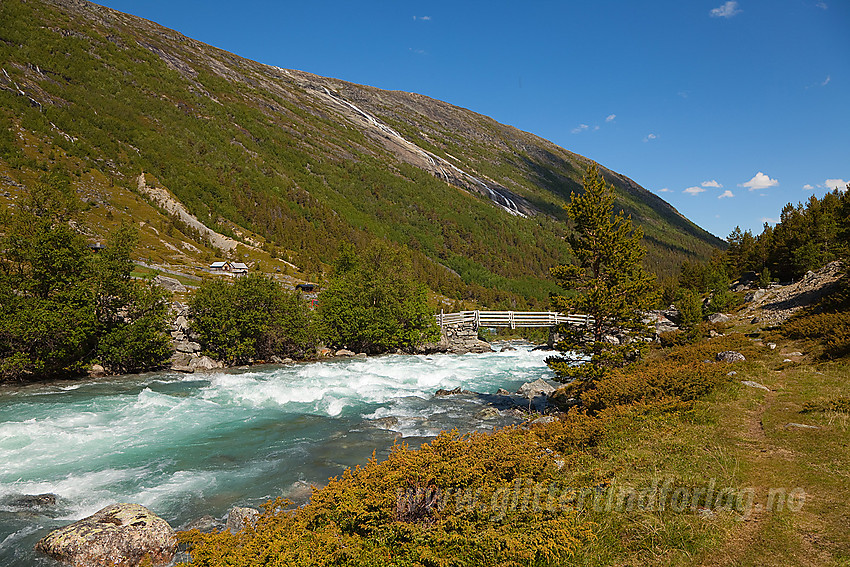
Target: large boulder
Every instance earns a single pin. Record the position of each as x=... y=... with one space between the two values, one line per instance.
x=476 y=346
x=120 y=535
x=205 y=363
x=188 y=347
x=536 y=388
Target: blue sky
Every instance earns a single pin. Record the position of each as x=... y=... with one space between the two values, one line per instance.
x=727 y=110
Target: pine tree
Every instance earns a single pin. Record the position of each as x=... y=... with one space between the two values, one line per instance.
x=607 y=282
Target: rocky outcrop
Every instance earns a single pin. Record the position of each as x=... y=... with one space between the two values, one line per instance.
x=663 y=320
x=187 y=355
x=777 y=303
x=169 y=284
x=442 y=392
x=120 y=535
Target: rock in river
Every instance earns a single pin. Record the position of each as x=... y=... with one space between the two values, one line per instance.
x=120 y=535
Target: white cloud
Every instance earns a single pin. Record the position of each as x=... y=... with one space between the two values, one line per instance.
x=807 y=187
x=769 y=220
x=726 y=194
x=580 y=128
x=839 y=184
x=694 y=190
x=422 y=18
x=650 y=137
x=665 y=190
x=759 y=181
x=823 y=83
x=610 y=117
x=822 y=5
x=727 y=10
x=711 y=183
x=595 y=128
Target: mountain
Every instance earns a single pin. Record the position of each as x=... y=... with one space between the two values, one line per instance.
x=282 y=164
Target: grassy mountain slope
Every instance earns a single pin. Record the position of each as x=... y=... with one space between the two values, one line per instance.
x=289 y=161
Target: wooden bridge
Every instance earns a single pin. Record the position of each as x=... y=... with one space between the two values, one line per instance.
x=512 y=319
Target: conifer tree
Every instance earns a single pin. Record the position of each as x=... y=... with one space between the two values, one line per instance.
x=607 y=281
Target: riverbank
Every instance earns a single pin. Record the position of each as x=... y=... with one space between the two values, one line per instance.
x=685 y=461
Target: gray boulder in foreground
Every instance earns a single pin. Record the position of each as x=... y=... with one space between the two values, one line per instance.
x=120 y=535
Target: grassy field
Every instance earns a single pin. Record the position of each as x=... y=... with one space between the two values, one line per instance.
x=789 y=464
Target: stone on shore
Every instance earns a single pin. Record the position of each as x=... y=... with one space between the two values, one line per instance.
x=239 y=518
x=96 y=371
x=120 y=535
x=536 y=388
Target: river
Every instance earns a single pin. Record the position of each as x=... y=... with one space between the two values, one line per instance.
x=190 y=445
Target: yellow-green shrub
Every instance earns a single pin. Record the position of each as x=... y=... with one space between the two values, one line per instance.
x=684 y=373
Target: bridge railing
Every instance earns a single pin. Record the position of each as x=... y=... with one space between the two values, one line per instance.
x=512 y=319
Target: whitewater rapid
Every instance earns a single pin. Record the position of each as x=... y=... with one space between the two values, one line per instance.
x=190 y=445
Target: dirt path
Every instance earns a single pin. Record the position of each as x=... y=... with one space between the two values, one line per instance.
x=774 y=456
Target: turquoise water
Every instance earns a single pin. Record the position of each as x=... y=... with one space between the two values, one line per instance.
x=190 y=445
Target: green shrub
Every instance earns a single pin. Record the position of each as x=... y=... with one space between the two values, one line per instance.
x=373 y=304
x=685 y=373
x=63 y=307
x=252 y=318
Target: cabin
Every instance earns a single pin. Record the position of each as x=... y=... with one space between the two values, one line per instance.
x=231 y=268
x=97 y=247
x=306 y=287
